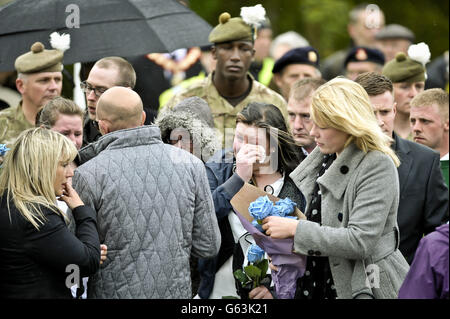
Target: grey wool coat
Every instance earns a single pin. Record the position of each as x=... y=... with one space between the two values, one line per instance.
x=154 y=208
x=359 y=231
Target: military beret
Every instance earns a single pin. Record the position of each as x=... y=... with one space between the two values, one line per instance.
x=231 y=29
x=38 y=59
x=395 y=31
x=242 y=28
x=303 y=55
x=364 y=54
x=404 y=69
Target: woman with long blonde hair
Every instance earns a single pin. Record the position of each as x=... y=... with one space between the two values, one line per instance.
x=36 y=247
x=352 y=192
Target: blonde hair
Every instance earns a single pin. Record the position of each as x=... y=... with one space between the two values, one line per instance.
x=344 y=105
x=29 y=170
x=433 y=96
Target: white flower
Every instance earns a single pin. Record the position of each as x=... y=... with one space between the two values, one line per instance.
x=419 y=52
x=253 y=16
x=60 y=41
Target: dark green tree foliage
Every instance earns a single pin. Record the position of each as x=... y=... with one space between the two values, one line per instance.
x=324 y=22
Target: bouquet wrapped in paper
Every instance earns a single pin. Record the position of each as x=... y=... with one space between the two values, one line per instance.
x=253 y=205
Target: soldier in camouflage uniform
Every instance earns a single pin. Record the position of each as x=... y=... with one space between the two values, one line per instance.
x=39 y=80
x=230 y=87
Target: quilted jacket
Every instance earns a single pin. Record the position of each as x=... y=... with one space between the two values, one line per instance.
x=154 y=209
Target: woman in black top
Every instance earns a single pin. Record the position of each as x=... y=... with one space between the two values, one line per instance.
x=39 y=256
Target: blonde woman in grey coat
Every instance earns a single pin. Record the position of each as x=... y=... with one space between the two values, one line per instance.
x=352 y=192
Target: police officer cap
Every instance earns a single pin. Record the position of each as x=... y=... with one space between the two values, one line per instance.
x=395 y=31
x=303 y=55
x=364 y=54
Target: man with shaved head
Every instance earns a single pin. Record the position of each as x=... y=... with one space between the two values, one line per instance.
x=153 y=203
x=119 y=108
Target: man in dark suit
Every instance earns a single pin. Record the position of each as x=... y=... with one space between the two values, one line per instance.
x=423 y=202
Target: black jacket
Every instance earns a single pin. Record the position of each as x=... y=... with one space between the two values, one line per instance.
x=90 y=132
x=423 y=202
x=33 y=264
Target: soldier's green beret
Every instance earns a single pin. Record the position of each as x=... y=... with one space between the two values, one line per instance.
x=404 y=69
x=231 y=29
x=38 y=59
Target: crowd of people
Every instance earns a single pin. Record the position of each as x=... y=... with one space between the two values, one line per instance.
x=139 y=204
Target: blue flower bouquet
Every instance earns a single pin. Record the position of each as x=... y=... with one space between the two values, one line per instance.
x=263 y=207
x=253 y=205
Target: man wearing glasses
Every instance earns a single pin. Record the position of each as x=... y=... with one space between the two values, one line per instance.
x=106 y=73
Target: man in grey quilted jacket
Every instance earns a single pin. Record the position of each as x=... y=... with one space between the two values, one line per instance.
x=153 y=203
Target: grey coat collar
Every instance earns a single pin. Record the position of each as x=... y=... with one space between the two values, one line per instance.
x=338 y=174
x=149 y=134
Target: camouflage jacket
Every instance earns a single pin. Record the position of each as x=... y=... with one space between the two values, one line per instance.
x=223 y=112
x=12 y=123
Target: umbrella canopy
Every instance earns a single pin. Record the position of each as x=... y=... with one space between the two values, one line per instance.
x=99 y=28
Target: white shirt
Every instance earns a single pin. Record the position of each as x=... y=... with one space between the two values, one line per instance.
x=305 y=152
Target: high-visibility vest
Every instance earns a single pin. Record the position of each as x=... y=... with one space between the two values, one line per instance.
x=265 y=75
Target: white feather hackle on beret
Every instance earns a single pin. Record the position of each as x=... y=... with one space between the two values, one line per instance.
x=60 y=41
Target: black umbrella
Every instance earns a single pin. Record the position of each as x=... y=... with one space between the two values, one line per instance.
x=99 y=28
